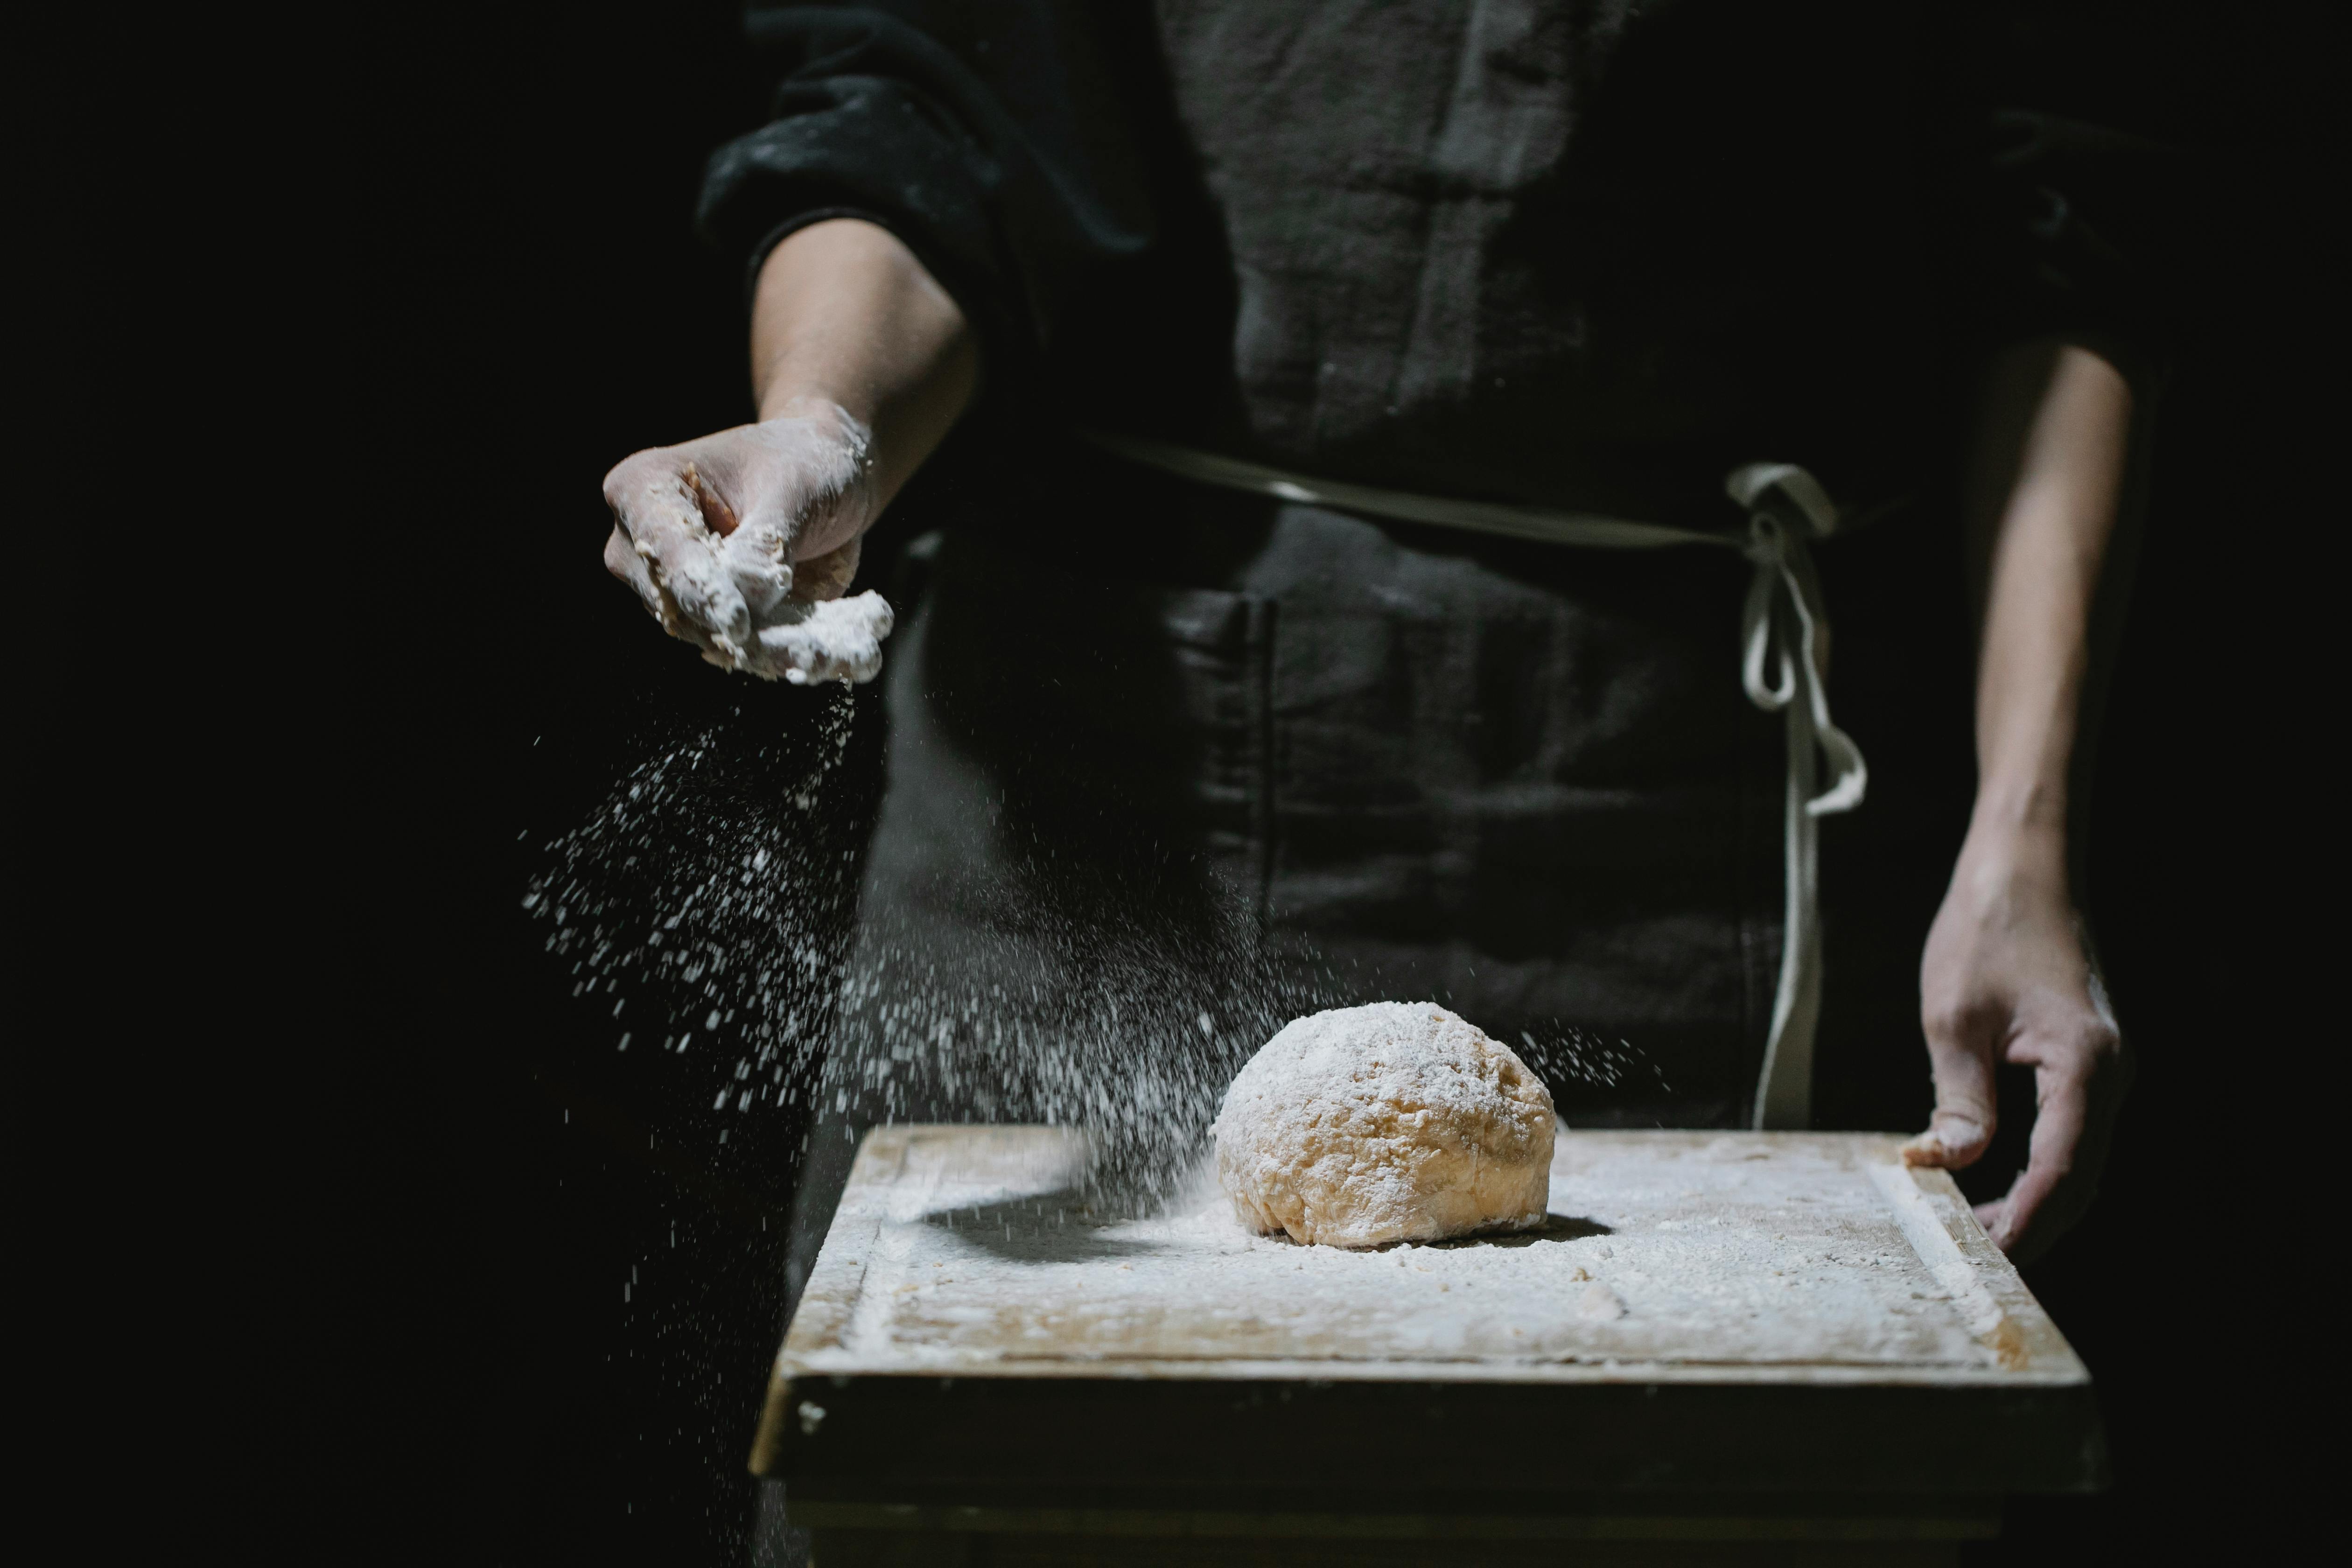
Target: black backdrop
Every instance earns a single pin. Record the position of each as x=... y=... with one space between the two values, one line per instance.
x=533 y=306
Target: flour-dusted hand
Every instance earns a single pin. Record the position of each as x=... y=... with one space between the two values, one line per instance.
x=2005 y=979
x=737 y=542
x=744 y=543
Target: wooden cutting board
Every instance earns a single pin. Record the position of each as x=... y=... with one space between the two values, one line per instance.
x=1705 y=1313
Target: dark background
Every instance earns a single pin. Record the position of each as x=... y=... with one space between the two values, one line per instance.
x=534 y=306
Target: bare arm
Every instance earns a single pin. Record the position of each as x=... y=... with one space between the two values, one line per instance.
x=861 y=364
x=845 y=314
x=2005 y=977
x=2041 y=538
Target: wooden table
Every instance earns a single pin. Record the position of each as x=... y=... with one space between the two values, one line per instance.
x=1725 y=1347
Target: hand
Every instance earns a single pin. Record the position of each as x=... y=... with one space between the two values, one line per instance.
x=734 y=540
x=2005 y=978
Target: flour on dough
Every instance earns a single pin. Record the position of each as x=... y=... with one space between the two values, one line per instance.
x=1397 y=1122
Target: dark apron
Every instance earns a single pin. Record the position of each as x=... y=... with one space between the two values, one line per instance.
x=1169 y=765
x=1136 y=820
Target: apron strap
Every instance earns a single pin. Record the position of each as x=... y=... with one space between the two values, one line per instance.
x=1784 y=628
x=1784 y=636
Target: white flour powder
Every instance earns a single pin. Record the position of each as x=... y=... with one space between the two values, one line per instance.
x=1694 y=1250
x=833 y=639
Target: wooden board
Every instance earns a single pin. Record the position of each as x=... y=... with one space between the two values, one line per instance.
x=1705 y=1309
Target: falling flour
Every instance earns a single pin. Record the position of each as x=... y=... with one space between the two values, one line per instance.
x=709 y=909
x=704 y=906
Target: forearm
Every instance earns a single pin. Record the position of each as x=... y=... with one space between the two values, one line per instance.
x=2049 y=476
x=2004 y=979
x=844 y=313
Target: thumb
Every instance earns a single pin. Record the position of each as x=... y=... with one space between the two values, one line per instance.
x=1960 y=1044
x=827 y=576
x=759 y=560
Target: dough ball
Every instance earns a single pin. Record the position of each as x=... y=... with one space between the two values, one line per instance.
x=1393 y=1123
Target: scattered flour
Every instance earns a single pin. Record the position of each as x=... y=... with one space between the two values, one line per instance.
x=833 y=639
x=1394 y=1121
x=1675 y=1249
x=704 y=906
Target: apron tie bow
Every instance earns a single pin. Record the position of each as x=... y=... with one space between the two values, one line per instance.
x=1784 y=633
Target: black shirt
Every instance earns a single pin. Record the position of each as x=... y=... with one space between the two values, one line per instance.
x=1590 y=254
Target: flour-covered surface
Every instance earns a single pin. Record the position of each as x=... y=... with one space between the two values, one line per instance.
x=1670 y=1256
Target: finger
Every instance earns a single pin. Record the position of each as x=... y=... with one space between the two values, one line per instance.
x=621 y=558
x=655 y=503
x=756 y=546
x=2054 y=1188
x=827 y=576
x=2062 y=1108
x=621 y=561
x=1960 y=1042
x=840 y=639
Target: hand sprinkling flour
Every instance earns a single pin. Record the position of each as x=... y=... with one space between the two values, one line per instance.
x=744 y=543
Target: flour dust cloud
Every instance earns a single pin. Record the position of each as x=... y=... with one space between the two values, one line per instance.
x=711 y=908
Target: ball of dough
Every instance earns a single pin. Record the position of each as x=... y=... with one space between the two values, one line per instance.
x=1393 y=1123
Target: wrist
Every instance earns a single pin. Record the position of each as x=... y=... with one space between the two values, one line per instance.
x=2021 y=805
x=787 y=397
x=2004 y=850
x=895 y=428
x=829 y=416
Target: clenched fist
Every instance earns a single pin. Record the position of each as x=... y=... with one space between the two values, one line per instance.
x=743 y=543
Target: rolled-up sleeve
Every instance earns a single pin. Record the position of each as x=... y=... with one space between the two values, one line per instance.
x=975 y=133
x=2071 y=233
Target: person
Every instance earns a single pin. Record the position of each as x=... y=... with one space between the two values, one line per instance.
x=1393 y=484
